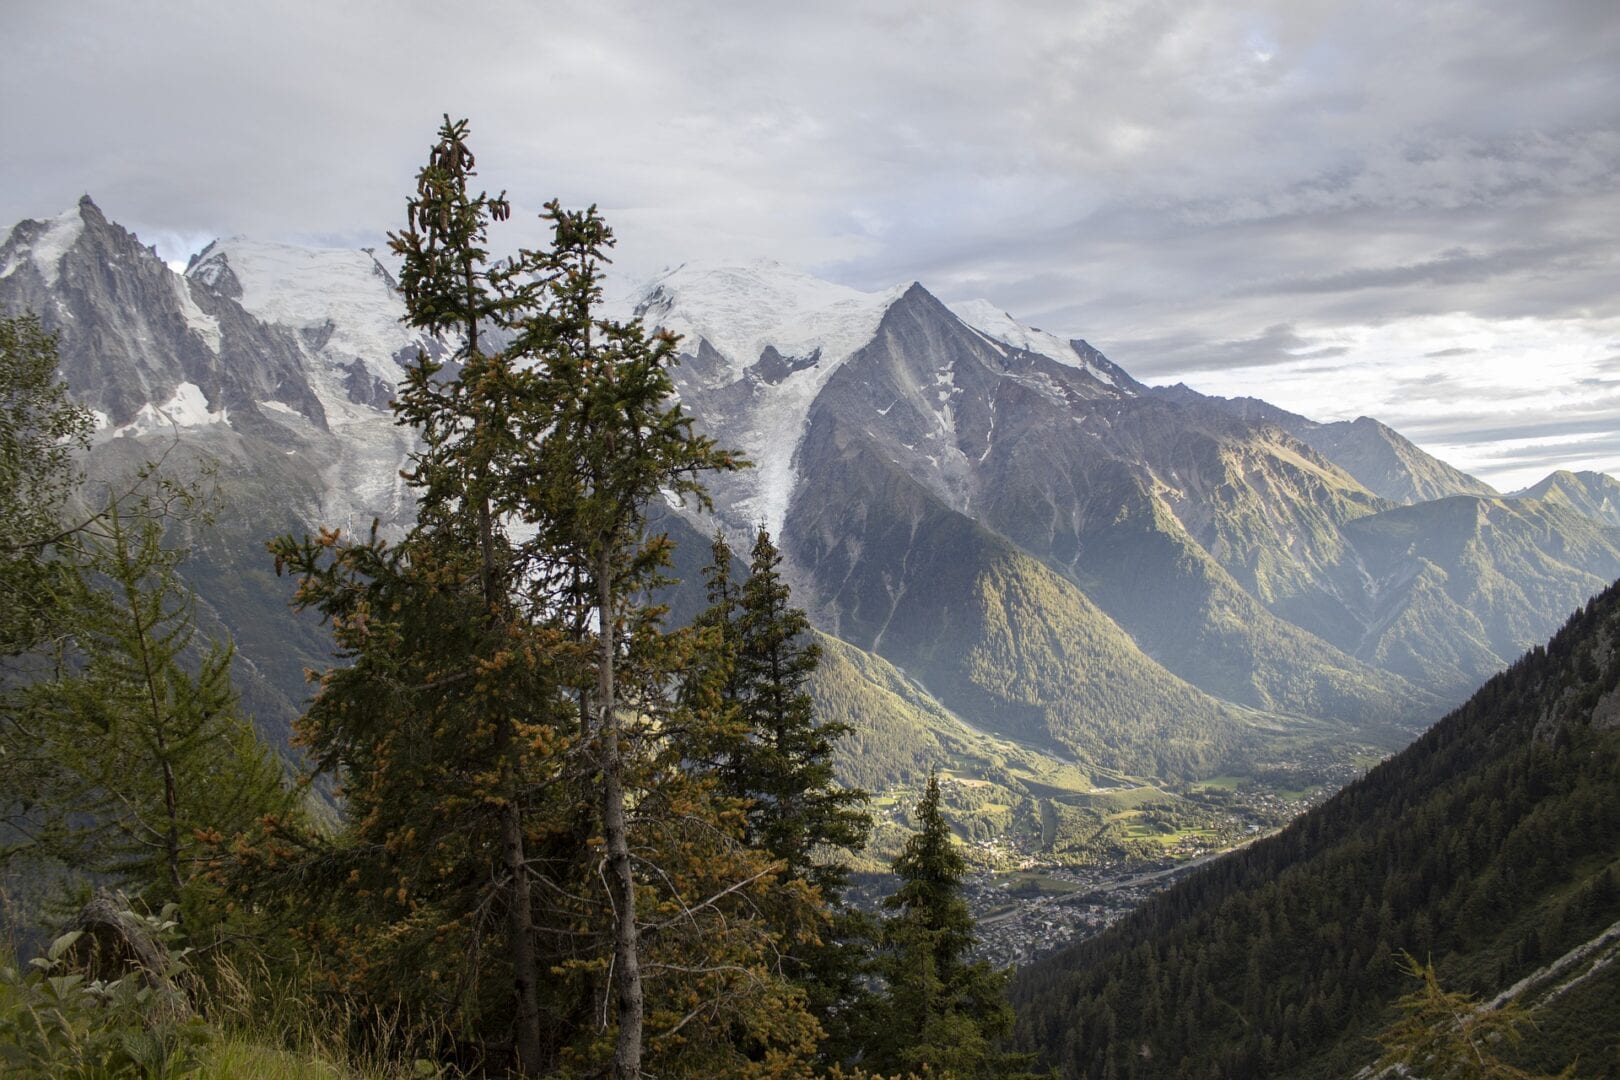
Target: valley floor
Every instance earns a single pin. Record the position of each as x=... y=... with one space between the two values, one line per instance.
x=1030 y=899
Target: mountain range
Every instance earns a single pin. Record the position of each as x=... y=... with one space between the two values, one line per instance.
x=1025 y=563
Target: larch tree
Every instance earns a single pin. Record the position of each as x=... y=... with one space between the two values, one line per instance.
x=133 y=746
x=122 y=751
x=1445 y=1034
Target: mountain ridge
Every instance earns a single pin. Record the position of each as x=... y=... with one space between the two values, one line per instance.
x=1202 y=566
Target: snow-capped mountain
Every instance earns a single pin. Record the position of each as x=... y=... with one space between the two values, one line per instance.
x=1147 y=581
x=344 y=308
x=760 y=342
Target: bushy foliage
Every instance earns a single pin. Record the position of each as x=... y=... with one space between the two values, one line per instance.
x=1451 y=1036
x=39 y=431
x=57 y=1022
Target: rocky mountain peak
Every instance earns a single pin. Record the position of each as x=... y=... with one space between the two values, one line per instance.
x=1593 y=495
x=140 y=345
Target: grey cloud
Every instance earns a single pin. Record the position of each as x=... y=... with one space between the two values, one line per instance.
x=1190 y=187
x=1597 y=420
x=1187 y=353
x=1451 y=268
x=1548 y=457
x=1445 y=390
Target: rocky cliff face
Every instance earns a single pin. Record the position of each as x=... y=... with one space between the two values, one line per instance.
x=141 y=345
x=178 y=370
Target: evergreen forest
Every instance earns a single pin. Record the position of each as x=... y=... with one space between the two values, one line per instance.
x=1488 y=852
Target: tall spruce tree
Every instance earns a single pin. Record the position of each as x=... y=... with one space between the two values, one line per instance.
x=441 y=722
x=610 y=440
x=771 y=753
x=503 y=722
x=941 y=1012
x=799 y=814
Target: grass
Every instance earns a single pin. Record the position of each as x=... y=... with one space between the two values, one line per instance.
x=1045 y=883
x=268 y=1025
x=236 y=1056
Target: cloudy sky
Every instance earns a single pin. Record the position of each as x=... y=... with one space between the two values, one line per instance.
x=1408 y=210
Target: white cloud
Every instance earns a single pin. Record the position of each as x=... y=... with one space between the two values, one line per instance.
x=1167 y=180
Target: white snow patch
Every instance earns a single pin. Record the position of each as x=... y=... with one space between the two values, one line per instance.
x=188 y=408
x=102 y=420
x=281 y=407
x=740 y=310
x=201 y=323
x=306 y=288
x=984 y=316
x=63 y=232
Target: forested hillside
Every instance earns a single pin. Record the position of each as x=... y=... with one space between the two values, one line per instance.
x=1491 y=845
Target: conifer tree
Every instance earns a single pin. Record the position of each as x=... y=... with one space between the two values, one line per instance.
x=610 y=439
x=132 y=753
x=769 y=751
x=441 y=725
x=799 y=814
x=39 y=429
x=941 y=1010
x=503 y=724
x=1445 y=1034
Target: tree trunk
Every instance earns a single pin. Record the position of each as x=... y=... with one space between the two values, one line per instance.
x=525 y=969
x=520 y=913
x=626 y=945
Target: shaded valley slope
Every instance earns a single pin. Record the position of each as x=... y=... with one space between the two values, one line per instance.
x=1491 y=845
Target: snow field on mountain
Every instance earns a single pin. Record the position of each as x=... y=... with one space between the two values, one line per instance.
x=985 y=317
x=187 y=408
x=306 y=288
x=47 y=251
x=740 y=310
